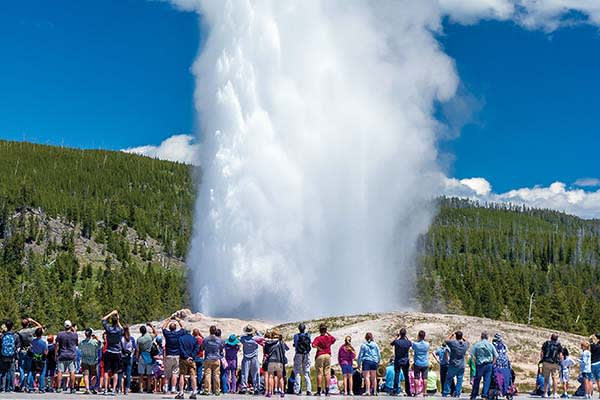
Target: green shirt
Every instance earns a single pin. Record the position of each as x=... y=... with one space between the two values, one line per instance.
x=484 y=352
x=89 y=351
x=144 y=342
x=431 y=381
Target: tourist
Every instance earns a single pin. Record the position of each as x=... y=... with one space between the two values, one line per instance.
x=213 y=353
x=369 y=357
x=323 y=344
x=66 y=348
x=431 y=386
x=550 y=356
x=8 y=353
x=128 y=350
x=421 y=362
x=112 y=356
x=188 y=349
x=250 y=363
x=390 y=373
x=89 y=359
x=595 y=351
x=457 y=350
x=566 y=363
x=232 y=348
x=346 y=357
x=224 y=383
x=333 y=385
x=275 y=349
x=585 y=366
x=144 y=358
x=501 y=367
x=484 y=354
x=441 y=357
x=51 y=364
x=302 y=345
x=172 y=353
x=199 y=357
x=401 y=361
x=39 y=353
x=26 y=335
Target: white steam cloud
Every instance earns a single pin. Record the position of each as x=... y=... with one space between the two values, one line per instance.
x=179 y=148
x=318 y=151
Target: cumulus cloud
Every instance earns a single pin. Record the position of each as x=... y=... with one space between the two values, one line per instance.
x=180 y=148
x=557 y=196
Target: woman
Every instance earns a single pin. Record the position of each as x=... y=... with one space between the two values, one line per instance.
x=585 y=365
x=502 y=365
x=369 y=357
x=274 y=350
x=346 y=357
x=232 y=348
x=421 y=364
x=128 y=348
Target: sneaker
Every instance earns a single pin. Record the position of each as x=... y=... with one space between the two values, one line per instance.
x=268 y=395
x=282 y=395
x=86 y=391
x=308 y=393
x=94 y=391
x=73 y=391
x=179 y=396
x=193 y=396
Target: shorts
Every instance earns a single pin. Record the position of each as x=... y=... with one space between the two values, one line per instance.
x=368 y=366
x=275 y=368
x=112 y=363
x=89 y=369
x=587 y=375
x=6 y=364
x=171 y=366
x=550 y=369
x=323 y=364
x=420 y=372
x=347 y=369
x=565 y=375
x=596 y=371
x=143 y=368
x=187 y=367
x=66 y=366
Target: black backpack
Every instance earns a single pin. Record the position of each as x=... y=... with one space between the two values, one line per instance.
x=552 y=350
x=303 y=346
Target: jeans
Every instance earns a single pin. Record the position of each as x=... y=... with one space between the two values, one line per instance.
x=230 y=373
x=483 y=371
x=302 y=370
x=199 y=371
x=126 y=364
x=453 y=372
x=404 y=368
x=25 y=370
x=7 y=377
x=250 y=366
x=42 y=380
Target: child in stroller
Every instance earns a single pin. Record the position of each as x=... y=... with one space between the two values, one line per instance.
x=500 y=387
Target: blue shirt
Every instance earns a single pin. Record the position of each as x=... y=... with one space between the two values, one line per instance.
x=369 y=351
x=250 y=346
x=389 y=376
x=484 y=352
x=421 y=350
x=213 y=348
x=39 y=346
x=441 y=355
x=114 y=333
x=188 y=346
x=172 y=341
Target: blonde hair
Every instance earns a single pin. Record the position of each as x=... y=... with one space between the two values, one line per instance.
x=348 y=345
x=585 y=345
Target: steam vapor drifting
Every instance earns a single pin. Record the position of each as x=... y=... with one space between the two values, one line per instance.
x=318 y=152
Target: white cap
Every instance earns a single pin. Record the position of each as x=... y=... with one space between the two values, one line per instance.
x=68 y=324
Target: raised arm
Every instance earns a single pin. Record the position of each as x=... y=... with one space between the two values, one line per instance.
x=34 y=322
x=110 y=314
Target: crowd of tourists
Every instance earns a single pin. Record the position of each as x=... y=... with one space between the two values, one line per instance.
x=173 y=360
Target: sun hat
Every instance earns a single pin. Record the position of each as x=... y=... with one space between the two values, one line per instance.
x=249 y=329
x=497 y=337
x=232 y=340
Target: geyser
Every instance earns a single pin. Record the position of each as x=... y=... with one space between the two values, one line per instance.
x=318 y=154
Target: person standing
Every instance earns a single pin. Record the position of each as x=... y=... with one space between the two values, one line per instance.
x=128 y=350
x=369 y=357
x=585 y=366
x=66 y=351
x=250 y=362
x=421 y=363
x=502 y=364
x=232 y=348
x=144 y=347
x=39 y=353
x=401 y=361
x=89 y=358
x=188 y=349
x=595 y=352
x=112 y=356
x=550 y=356
x=484 y=353
x=213 y=353
x=457 y=351
x=323 y=344
x=346 y=357
x=441 y=356
x=26 y=335
x=8 y=353
x=199 y=357
x=275 y=349
x=302 y=345
x=172 y=353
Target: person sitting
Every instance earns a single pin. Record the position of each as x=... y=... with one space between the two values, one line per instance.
x=431 y=381
x=333 y=383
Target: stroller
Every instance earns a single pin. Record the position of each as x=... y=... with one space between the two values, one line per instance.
x=500 y=388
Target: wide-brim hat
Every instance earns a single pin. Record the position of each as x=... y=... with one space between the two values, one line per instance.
x=232 y=340
x=249 y=329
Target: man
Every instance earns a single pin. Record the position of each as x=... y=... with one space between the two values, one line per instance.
x=213 y=353
x=89 y=358
x=550 y=356
x=26 y=337
x=484 y=354
x=457 y=351
x=188 y=349
x=302 y=344
x=172 y=353
x=401 y=362
x=144 y=345
x=39 y=353
x=9 y=347
x=441 y=356
x=250 y=363
x=199 y=357
x=112 y=357
x=323 y=344
x=66 y=351
x=595 y=350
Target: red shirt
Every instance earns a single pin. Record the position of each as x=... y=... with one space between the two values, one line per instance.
x=200 y=341
x=323 y=344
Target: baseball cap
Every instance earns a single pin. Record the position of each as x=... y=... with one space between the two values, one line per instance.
x=68 y=324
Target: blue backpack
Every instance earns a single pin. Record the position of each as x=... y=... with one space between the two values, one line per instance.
x=9 y=345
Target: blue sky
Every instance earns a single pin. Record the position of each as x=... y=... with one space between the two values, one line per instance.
x=116 y=74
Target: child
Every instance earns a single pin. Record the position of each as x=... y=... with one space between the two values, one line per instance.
x=431 y=381
x=585 y=365
x=333 y=383
x=346 y=357
x=566 y=363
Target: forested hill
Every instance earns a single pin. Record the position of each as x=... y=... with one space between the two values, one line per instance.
x=85 y=231
x=488 y=261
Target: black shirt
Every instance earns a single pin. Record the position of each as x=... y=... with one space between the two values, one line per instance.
x=595 y=350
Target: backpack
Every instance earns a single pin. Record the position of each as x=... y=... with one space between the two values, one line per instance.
x=154 y=350
x=303 y=346
x=9 y=345
x=551 y=352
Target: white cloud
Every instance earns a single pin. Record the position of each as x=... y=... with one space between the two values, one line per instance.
x=181 y=148
x=557 y=196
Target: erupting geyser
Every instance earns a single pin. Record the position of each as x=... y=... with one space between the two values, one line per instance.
x=318 y=154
